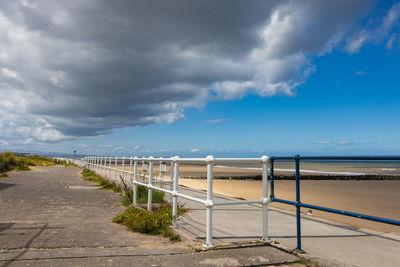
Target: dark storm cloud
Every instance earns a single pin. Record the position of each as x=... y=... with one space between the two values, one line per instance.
x=83 y=68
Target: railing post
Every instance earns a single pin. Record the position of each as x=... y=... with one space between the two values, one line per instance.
x=123 y=169
x=130 y=171
x=160 y=166
x=209 y=205
x=150 y=194
x=98 y=165
x=171 y=179
x=175 y=190
x=265 y=200
x=143 y=174
x=101 y=166
x=104 y=167
x=109 y=168
x=271 y=174
x=298 y=217
x=135 y=173
x=115 y=169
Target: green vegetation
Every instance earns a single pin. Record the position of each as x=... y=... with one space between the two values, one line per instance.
x=142 y=196
x=65 y=163
x=91 y=176
x=9 y=161
x=38 y=161
x=127 y=198
x=157 y=222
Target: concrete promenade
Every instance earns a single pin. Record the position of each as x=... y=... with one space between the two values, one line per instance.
x=51 y=217
x=327 y=241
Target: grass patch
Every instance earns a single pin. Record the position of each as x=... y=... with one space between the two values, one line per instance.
x=9 y=161
x=65 y=163
x=91 y=176
x=142 y=196
x=3 y=175
x=38 y=161
x=157 y=222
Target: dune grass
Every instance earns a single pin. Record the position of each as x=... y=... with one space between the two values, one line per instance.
x=9 y=161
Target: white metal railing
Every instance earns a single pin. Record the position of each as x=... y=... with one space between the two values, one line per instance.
x=103 y=167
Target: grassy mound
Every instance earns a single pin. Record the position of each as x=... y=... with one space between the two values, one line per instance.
x=9 y=161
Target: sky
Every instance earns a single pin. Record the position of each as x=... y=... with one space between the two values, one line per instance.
x=193 y=78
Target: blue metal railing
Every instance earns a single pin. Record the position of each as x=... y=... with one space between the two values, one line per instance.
x=298 y=204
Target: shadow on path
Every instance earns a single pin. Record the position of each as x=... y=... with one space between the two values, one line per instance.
x=5 y=185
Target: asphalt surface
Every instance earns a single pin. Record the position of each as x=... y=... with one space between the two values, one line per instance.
x=51 y=217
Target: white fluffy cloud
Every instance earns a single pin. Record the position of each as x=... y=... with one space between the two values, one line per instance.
x=74 y=68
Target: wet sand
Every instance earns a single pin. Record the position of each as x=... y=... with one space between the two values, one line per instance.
x=377 y=198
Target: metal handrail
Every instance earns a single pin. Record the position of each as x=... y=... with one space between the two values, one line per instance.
x=298 y=204
x=101 y=164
